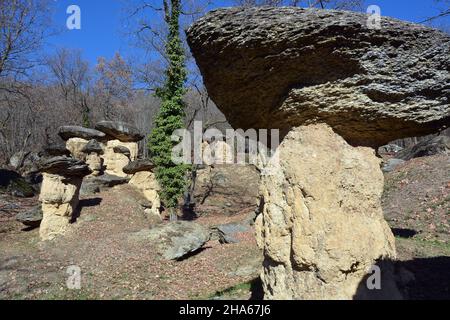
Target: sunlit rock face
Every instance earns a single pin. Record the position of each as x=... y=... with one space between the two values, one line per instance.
x=286 y=67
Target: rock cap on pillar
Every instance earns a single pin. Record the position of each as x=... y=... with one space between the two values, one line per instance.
x=64 y=166
x=139 y=166
x=68 y=132
x=119 y=130
x=286 y=67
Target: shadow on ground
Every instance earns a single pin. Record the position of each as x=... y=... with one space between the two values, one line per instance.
x=417 y=279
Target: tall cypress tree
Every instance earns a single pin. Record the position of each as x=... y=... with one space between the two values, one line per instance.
x=171 y=176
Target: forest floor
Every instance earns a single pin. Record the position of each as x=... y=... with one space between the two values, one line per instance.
x=416 y=204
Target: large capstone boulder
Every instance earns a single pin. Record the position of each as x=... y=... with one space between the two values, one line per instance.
x=285 y=67
x=138 y=166
x=68 y=132
x=174 y=240
x=120 y=130
x=322 y=226
x=429 y=147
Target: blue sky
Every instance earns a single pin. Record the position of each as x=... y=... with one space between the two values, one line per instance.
x=103 y=28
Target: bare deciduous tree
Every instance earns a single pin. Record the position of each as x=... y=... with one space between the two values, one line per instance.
x=23 y=26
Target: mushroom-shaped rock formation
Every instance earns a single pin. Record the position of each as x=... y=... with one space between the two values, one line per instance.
x=120 y=130
x=93 y=150
x=145 y=180
x=62 y=178
x=322 y=76
x=285 y=67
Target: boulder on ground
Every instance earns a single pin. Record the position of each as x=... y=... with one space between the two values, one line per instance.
x=119 y=130
x=227 y=233
x=174 y=240
x=68 y=132
x=279 y=68
x=138 y=166
x=14 y=184
x=31 y=218
x=429 y=147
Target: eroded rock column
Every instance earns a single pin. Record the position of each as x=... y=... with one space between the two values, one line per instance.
x=62 y=178
x=145 y=180
x=322 y=226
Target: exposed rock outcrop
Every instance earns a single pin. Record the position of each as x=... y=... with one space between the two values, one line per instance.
x=285 y=67
x=60 y=194
x=322 y=226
